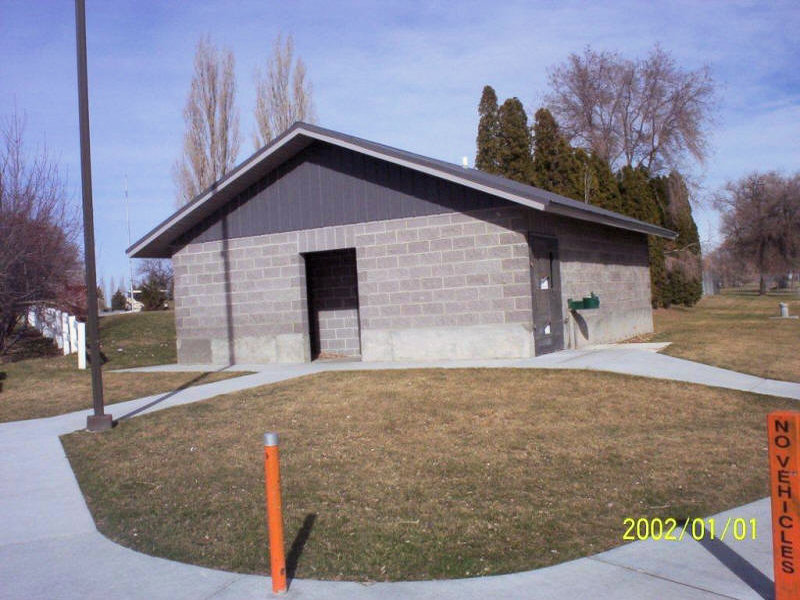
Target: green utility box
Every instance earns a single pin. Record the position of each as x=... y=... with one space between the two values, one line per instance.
x=591 y=301
x=575 y=304
x=587 y=302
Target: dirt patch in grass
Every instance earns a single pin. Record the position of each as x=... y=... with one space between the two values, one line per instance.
x=734 y=331
x=425 y=473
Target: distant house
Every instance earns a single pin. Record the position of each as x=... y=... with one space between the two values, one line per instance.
x=322 y=244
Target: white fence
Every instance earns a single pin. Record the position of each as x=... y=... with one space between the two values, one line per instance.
x=68 y=333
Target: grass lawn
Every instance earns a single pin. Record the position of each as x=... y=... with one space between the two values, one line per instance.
x=138 y=339
x=422 y=474
x=40 y=382
x=734 y=331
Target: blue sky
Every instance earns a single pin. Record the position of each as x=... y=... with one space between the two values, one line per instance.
x=408 y=74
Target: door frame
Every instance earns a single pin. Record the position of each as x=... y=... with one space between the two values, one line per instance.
x=312 y=308
x=556 y=309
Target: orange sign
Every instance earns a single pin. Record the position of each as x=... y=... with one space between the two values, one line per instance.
x=784 y=466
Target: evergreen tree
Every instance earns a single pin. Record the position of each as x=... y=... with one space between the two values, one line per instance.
x=571 y=172
x=683 y=256
x=679 y=214
x=118 y=300
x=604 y=188
x=557 y=167
x=638 y=200
x=637 y=197
x=112 y=287
x=514 y=156
x=487 y=158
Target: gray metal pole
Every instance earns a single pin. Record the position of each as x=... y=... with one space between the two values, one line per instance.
x=98 y=421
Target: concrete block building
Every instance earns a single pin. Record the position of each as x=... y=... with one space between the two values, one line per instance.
x=326 y=245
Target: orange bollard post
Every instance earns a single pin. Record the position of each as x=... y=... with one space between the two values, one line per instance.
x=272 y=481
x=784 y=460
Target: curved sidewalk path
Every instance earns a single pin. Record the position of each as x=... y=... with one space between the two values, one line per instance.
x=50 y=548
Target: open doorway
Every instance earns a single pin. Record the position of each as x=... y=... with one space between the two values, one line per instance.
x=332 y=290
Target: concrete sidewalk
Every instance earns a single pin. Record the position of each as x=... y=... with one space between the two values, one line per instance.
x=50 y=548
x=628 y=359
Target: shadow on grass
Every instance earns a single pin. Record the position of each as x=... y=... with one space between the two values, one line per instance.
x=168 y=395
x=743 y=569
x=28 y=343
x=299 y=543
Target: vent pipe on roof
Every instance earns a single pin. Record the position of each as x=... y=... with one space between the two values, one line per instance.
x=465 y=162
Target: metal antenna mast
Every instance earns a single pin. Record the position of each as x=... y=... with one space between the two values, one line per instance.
x=130 y=260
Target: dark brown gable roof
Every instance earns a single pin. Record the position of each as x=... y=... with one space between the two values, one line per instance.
x=158 y=242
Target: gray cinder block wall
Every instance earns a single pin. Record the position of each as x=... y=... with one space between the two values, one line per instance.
x=612 y=263
x=453 y=285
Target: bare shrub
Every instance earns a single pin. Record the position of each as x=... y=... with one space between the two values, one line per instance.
x=39 y=257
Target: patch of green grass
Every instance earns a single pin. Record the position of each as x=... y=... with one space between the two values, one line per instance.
x=735 y=331
x=138 y=339
x=424 y=474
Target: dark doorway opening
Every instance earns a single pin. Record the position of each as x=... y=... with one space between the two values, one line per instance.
x=548 y=323
x=332 y=291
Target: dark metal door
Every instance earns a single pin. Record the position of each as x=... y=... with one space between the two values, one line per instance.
x=548 y=327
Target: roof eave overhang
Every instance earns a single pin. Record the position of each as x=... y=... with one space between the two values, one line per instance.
x=610 y=219
x=217 y=195
x=160 y=241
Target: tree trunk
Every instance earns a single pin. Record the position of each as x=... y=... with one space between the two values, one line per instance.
x=762 y=285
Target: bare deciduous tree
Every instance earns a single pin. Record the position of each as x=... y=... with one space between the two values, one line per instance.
x=761 y=222
x=283 y=95
x=646 y=113
x=727 y=270
x=211 y=140
x=39 y=263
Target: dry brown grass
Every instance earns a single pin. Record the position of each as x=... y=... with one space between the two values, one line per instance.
x=425 y=473
x=44 y=387
x=734 y=331
x=36 y=380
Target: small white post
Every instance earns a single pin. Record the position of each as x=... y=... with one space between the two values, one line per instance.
x=73 y=335
x=64 y=333
x=56 y=326
x=81 y=331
